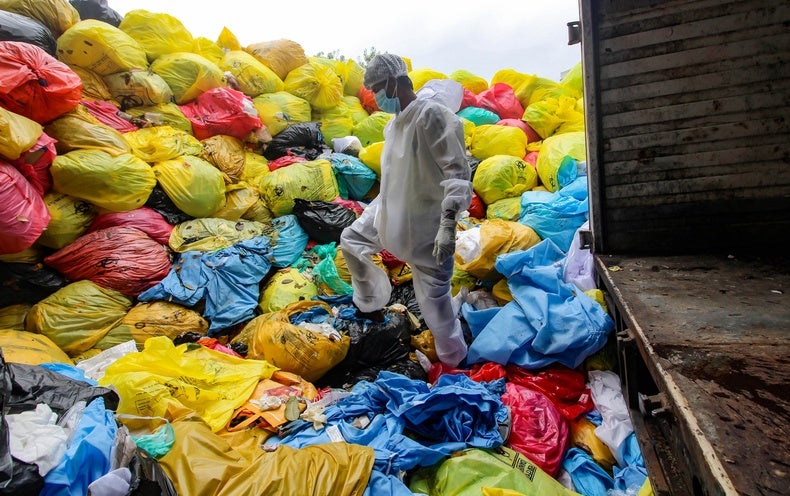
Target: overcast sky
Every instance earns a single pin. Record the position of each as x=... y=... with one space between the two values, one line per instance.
x=529 y=36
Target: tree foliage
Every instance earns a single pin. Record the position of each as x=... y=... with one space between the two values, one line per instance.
x=362 y=60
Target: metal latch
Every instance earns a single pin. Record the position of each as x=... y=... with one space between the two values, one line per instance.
x=653 y=405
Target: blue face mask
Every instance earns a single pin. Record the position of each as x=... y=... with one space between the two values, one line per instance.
x=387 y=104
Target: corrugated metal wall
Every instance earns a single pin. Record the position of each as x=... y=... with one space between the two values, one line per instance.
x=688 y=120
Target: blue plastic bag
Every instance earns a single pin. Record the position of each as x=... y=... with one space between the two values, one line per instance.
x=588 y=477
x=556 y=216
x=354 y=178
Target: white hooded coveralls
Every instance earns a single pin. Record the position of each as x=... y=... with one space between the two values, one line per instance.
x=424 y=172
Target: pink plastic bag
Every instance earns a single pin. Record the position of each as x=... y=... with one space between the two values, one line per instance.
x=501 y=100
x=34 y=164
x=145 y=219
x=222 y=111
x=23 y=213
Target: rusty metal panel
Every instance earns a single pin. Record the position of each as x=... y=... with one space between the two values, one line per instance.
x=687 y=107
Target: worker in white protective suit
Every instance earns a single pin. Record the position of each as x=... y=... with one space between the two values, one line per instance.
x=424 y=187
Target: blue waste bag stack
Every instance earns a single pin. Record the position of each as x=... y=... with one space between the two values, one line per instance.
x=206 y=394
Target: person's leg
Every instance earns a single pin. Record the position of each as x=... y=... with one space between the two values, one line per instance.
x=432 y=290
x=372 y=287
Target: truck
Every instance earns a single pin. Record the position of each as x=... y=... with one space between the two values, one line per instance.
x=687 y=108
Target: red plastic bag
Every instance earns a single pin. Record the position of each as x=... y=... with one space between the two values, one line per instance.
x=349 y=204
x=480 y=372
x=501 y=100
x=532 y=159
x=469 y=100
x=23 y=213
x=285 y=161
x=145 y=219
x=538 y=430
x=532 y=136
x=222 y=111
x=368 y=100
x=477 y=208
x=34 y=164
x=121 y=258
x=107 y=113
x=565 y=387
x=35 y=84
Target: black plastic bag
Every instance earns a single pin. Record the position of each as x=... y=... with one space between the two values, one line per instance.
x=96 y=9
x=16 y=477
x=303 y=139
x=159 y=201
x=473 y=163
x=323 y=221
x=16 y=27
x=148 y=478
x=404 y=294
x=27 y=283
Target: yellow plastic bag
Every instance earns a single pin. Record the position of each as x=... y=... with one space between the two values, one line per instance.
x=18 y=134
x=522 y=84
x=282 y=56
x=93 y=85
x=574 y=79
x=501 y=292
x=160 y=143
x=169 y=381
x=137 y=88
x=503 y=176
x=313 y=180
x=57 y=15
x=158 y=33
x=78 y=315
x=371 y=156
x=226 y=470
x=352 y=74
x=207 y=48
x=163 y=114
x=506 y=208
x=421 y=76
x=195 y=186
x=255 y=167
x=211 y=234
x=583 y=437
x=30 y=348
x=188 y=75
x=227 y=40
x=317 y=83
x=100 y=47
x=286 y=286
x=79 y=130
x=13 y=316
x=149 y=320
x=552 y=153
x=226 y=153
x=553 y=115
x=490 y=140
x=70 y=218
x=253 y=77
x=497 y=237
x=239 y=198
x=355 y=109
x=335 y=122
x=278 y=110
x=118 y=184
x=295 y=349
x=470 y=81
x=371 y=130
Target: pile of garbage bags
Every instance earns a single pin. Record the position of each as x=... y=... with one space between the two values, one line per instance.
x=176 y=316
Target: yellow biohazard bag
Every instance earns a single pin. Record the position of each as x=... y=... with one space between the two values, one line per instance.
x=227 y=40
x=280 y=109
x=171 y=381
x=313 y=180
x=211 y=234
x=583 y=437
x=421 y=76
x=57 y=15
x=551 y=115
x=522 y=84
x=490 y=140
x=503 y=176
x=371 y=156
x=158 y=33
x=13 y=316
x=295 y=349
x=552 y=153
x=207 y=48
x=286 y=286
x=253 y=77
x=352 y=75
x=195 y=186
x=30 y=348
x=78 y=315
x=469 y=81
x=118 y=184
x=100 y=47
x=371 y=130
x=18 y=134
x=497 y=237
x=355 y=109
x=239 y=198
x=93 y=85
x=255 y=167
x=163 y=114
x=501 y=292
x=317 y=83
x=226 y=153
x=136 y=88
x=149 y=320
x=506 y=208
x=70 y=218
x=282 y=56
x=160 y=143
x=188 y=75
x=79 y=130
x=335 y=122
x=227 y=470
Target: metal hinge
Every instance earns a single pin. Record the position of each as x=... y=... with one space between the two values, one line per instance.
x=653 y=405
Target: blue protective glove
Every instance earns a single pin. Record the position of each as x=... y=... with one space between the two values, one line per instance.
x=444 y=244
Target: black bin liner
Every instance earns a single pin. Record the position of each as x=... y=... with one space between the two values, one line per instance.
x=96 y=9
x=303 y=139
x=16 y=27
x=323 y=221
x=27 y=283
